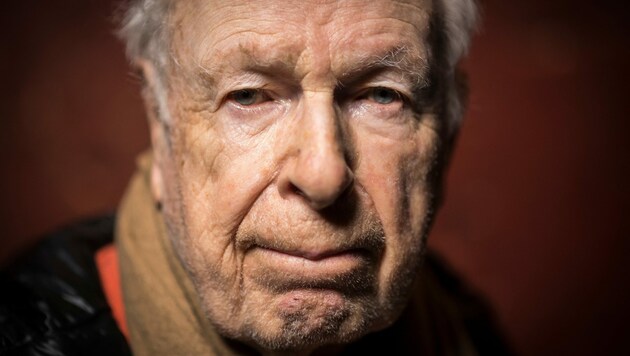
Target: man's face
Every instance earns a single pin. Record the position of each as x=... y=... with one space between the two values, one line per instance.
x=295 y=174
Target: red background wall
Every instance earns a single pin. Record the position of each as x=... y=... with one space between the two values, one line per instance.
x=537 y=198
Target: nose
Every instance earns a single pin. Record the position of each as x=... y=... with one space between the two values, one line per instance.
x=317 y=168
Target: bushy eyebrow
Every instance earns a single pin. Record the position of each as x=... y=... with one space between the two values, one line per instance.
x=243 y=58
x=412 y=66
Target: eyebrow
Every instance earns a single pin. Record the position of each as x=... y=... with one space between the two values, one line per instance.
x=411 y=65
x=242 y=58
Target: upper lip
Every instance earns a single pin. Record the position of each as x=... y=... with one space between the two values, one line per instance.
x=368 y=245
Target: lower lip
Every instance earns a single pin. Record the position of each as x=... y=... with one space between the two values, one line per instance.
x=274 y=267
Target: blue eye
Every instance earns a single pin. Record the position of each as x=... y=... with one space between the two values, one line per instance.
x=246 y=97
x=383 y=95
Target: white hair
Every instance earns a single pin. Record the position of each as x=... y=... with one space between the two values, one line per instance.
x=459 y=20
x=144 y=28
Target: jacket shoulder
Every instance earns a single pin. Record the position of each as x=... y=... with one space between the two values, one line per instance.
x=52 y=301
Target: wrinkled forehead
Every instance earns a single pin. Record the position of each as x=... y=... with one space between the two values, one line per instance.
x=282 y=30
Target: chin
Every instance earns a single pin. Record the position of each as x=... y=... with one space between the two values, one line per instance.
x=302 y=321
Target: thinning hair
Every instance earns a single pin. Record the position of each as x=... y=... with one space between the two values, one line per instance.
x=145 y=31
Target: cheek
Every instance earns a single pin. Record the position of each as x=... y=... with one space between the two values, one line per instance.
x=395 y=175
x=218 y=179
x=199 y=160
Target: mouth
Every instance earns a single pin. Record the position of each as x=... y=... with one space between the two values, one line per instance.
x=323 y=256
x=338 y=269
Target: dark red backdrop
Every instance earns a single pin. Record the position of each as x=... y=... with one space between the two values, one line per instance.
x=537 y=193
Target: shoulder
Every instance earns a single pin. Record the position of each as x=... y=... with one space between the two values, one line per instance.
x=52 y=301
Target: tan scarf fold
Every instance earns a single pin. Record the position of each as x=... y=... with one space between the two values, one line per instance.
x=163 y=313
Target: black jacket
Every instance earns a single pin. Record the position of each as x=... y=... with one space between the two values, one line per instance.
x=52 y=303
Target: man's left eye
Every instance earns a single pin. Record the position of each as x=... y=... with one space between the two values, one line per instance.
x=248 y=97
x=383 y=95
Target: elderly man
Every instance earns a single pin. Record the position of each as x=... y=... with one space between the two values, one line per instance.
x=297 y=151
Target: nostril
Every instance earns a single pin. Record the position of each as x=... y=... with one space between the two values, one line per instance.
x=292 y=188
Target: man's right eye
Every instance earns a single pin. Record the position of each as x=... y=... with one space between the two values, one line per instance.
x=248 y=97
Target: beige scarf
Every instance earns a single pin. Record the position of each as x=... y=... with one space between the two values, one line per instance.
x=164 y=316
x=163 y=313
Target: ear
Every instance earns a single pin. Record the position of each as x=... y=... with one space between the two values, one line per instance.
x=152 y=87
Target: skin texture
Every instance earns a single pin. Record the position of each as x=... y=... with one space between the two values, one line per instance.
x=300 y=205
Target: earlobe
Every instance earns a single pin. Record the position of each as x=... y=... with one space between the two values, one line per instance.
x=157 y=184
x=160 y=150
